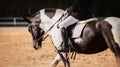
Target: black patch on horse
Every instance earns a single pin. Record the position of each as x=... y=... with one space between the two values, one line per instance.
x=38 y=12
x=93 y=41
x=50 y=12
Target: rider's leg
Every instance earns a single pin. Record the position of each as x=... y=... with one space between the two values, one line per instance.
x=64 y=45
x=67 y=22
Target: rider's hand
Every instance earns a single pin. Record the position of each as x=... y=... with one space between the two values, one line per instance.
x=66 y=13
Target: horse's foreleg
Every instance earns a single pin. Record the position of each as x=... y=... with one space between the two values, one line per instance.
x=65 y=59
x=67 y=63
x=56 y=61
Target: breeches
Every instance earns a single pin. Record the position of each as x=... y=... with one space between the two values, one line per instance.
x=68 y=21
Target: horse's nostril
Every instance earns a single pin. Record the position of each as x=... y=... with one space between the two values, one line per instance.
x=36 y=45
x=35 y=48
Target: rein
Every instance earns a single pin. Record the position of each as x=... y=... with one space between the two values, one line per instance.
x=48 y=30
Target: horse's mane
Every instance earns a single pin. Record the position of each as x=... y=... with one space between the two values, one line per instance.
x=38 y=12
x=50 y=12
x=50 y=9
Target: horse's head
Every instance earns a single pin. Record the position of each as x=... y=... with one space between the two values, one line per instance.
x=37 y=35
x=36 y=32
x=42 y=21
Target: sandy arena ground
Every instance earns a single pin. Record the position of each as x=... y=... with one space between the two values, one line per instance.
x=16 y=51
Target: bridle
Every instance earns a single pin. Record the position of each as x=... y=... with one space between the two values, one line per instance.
x=33 y=27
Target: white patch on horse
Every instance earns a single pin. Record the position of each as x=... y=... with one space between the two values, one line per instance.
x=57 y=16
x=115 y=22
x=43 y=16
x=47 y=22
x=78 y=40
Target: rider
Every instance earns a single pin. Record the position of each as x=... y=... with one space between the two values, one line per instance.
x=80 y=10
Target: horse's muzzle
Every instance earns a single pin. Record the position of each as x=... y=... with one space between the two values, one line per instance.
x=37 y=45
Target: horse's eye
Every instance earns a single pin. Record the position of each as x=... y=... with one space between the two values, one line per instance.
x=42 y=32
x=30 y=28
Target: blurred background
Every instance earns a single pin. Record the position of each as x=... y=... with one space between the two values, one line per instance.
x=12 y=10
x=16 y=48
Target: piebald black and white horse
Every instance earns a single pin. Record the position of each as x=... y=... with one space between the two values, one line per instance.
x=96 y=35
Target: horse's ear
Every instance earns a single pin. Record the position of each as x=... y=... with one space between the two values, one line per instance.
x=26 y=19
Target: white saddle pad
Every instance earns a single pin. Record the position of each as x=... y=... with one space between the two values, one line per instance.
x=79 y=27
x=78 y=30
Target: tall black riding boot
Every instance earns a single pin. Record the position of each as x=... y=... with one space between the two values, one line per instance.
x=64 y=46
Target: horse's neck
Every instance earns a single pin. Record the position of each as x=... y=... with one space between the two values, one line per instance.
x=48 y=22
x=56 y=36
x=54 y=32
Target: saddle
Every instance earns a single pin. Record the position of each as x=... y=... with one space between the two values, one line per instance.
x=75 y=30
